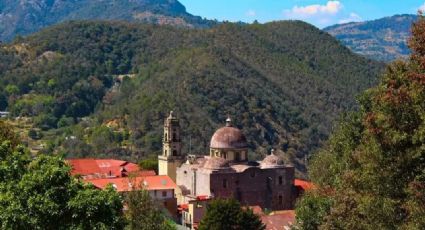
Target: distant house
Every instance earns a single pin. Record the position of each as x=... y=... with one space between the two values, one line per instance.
x=4 y=114
x=124 y=177
x=193 y=211
x=106 y=168
x=160 y=188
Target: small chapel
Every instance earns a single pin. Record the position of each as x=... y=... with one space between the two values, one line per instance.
x=226 y=171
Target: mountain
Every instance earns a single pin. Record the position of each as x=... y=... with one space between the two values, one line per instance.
x=382 y=39
x=284 y=83
x=27 y=16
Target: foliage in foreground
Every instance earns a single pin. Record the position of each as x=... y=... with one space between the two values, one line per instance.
x=228 y=214
x=143 y=214
x=39 y=193
x=372 y=173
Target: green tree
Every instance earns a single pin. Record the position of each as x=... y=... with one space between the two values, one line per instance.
x=40 y=193
x=143 y=214
x=371 y=174
x=150 y=163
x=228 y=214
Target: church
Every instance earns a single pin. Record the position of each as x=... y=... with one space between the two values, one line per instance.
x=226 y=172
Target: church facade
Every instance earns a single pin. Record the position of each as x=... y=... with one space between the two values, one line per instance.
x=226 y=172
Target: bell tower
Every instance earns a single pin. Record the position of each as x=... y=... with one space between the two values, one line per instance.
x=171 y=156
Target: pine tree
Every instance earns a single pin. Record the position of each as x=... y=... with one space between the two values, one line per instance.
x=372 y=173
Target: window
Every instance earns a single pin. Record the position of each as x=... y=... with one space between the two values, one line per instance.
x=253 y=174
x=239 y=196
x=164 y=193
x=280 y=199
x=174 y=137
x=174 y=152
x=238 y=156
x=224 y=183
x=280 y=180
x=165 y=152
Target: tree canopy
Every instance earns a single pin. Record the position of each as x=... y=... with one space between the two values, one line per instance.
x=143 y=213
x=40 y=193
x=228 y=214
x=371 y=175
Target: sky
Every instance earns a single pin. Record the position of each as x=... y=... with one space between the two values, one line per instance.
x=320 y=13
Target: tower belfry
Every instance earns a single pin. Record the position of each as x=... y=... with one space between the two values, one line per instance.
x=171 y=156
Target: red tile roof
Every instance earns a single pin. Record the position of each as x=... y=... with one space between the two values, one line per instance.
x=279 y=220
x=304 y=185
x=105 y=168
x=125 y=184
x=183 y=207
x=202 y=197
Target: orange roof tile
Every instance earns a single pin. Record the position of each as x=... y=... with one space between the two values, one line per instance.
x=305 y=185
x=104 y=168
x=125 y=184
x=279 y=220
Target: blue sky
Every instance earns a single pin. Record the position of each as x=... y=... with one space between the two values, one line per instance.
x=318 y=12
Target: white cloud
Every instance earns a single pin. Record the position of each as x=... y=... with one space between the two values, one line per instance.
x=251 y=13
x=422 y=8
x=352 y=18
x=299 y=12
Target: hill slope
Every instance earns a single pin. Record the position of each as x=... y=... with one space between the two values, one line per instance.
x=284 y=93
x=25 y=17
x=382 y=39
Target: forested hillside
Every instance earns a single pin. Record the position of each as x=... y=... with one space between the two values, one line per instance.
x=371 y=174
x=24 y=17
x=383 y=39
x=284 y=83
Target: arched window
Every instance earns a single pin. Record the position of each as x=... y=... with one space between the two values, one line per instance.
x=174 y=152
x=174 y=136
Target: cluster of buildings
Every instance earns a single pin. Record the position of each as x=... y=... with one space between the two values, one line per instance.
x=186 y=183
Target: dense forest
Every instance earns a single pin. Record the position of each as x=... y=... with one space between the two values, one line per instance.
x=104 y=88
x=371 y=174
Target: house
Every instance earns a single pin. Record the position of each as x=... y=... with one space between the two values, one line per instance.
x=124 y=177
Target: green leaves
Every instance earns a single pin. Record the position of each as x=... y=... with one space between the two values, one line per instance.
x=373 y=167
x=228 y=214
x=39 y=193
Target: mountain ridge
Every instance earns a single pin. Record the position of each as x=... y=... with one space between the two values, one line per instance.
x=281 y=92
x=25 y=17
x=383 y=39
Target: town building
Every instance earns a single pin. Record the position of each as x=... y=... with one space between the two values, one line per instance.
x=126 y=176
x=226 y=172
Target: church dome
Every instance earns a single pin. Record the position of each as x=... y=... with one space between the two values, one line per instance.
x=216 y=163
x=272 y=161
x=228 y=137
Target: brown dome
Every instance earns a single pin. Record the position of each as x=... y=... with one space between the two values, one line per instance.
x=216 y=163
x=272 y=161
x=228 y=138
